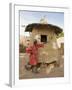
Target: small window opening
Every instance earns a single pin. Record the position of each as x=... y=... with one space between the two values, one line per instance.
x=44 y=38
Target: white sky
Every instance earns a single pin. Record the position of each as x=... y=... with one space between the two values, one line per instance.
x=28 y=17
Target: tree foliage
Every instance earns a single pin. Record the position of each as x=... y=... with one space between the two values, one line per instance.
x=22 y=48
x=60 y=35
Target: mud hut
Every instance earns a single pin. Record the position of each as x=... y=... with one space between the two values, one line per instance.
x=47 y=33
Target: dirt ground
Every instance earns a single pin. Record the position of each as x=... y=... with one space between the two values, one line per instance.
x=44 y=72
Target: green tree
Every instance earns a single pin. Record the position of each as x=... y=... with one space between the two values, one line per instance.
x=60 y=35
x=22 y=48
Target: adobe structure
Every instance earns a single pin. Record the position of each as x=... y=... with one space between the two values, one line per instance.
x=46 y=33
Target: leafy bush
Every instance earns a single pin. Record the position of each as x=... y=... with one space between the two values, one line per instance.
x=22 y=48
x=60 y=35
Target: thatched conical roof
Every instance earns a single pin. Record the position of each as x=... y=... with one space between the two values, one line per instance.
x=38 y=26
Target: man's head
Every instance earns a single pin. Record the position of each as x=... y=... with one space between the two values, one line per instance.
x=35 y=42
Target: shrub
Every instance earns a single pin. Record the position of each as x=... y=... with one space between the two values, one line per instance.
x=22 y=48
x=60 y=35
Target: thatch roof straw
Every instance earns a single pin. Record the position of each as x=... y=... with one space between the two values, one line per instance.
x=38 y=26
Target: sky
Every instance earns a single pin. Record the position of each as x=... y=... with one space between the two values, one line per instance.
x=28 y=17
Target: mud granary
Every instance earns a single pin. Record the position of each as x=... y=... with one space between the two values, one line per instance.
x=46 y=33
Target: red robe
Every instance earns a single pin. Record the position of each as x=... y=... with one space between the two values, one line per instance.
x=33 y=50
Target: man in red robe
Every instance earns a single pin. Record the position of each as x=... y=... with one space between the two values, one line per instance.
x=33 y=51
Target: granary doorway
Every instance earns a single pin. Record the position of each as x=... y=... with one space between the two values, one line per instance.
x=44 y=38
